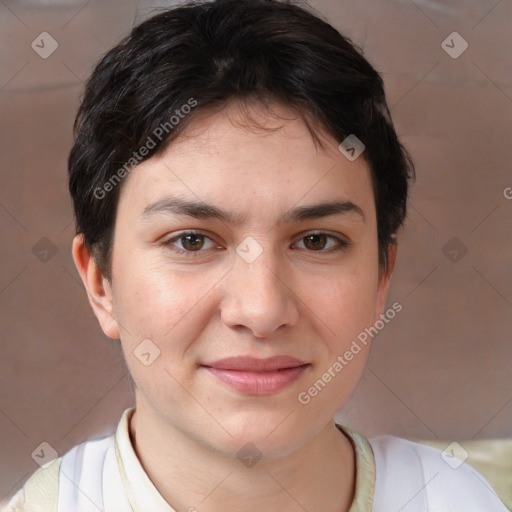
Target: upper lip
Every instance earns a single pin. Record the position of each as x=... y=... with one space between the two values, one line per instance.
x=253 y=364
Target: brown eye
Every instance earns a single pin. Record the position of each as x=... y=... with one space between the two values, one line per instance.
x=315 y=242
x=192 y=242
x=318 y=242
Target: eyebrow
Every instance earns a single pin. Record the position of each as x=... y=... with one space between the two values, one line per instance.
x=201 y=210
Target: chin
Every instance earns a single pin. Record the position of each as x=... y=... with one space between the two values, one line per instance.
x=272 y=436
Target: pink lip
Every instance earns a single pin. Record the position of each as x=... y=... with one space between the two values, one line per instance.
x=257 y=376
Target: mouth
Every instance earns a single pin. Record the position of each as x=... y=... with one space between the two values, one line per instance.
x=258 y=377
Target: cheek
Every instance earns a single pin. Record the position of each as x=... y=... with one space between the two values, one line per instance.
x=344 y=307
x=343 y=302
x=163 y=305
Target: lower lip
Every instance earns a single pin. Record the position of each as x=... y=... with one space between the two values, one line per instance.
x=258 y=383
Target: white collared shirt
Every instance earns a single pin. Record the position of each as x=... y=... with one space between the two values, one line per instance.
x=392 y=475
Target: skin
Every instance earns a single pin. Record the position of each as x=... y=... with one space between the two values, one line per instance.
x=292 y=300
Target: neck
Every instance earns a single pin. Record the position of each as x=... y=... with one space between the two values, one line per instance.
x=318 y=475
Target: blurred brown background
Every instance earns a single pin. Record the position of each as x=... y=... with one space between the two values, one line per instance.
x=440 y=370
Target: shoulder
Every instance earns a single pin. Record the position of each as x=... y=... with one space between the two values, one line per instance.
x=41 y=491
x=420 y=477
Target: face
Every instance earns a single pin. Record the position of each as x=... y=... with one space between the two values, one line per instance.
x=264 y=272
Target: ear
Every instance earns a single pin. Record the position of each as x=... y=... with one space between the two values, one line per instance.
x=99 y=290
x=385 y=279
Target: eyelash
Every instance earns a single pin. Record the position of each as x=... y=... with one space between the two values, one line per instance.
x=342 y=244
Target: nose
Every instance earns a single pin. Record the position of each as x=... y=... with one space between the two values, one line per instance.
x=259 y=296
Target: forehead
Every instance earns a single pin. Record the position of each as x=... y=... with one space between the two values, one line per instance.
x=249 y=159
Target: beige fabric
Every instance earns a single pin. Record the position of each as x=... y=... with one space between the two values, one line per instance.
x=40 y=492
x=365 y=471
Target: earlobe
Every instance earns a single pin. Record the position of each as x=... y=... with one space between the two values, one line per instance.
x=98 y=288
